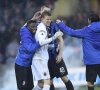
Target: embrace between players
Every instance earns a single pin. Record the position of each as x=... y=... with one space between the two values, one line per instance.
x=40 y=38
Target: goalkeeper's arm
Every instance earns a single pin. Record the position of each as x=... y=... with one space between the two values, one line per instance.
x=46 y=41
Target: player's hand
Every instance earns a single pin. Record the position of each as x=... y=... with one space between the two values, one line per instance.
x=37 y=15
x=58 y=58
x=57 y=34
x=58 y=21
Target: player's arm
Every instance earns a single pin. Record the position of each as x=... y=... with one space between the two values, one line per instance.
x=80 y=33
x=61 y=43
x=42 y=37
x=60 y=40
x=59 y=56
x=28 y=44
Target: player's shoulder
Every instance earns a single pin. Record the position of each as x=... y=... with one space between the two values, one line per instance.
x=41 y=25
x=53 y=24
x=24 y=29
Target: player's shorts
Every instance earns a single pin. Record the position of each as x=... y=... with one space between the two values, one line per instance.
x=57 y=69
x=91 y=72
x=40 y=69
x=24 y=77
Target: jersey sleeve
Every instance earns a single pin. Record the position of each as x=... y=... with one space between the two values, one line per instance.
x=28 y=43
x=79 y=33
x=42 y=34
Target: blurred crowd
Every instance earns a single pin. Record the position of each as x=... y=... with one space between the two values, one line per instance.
x=14 y=14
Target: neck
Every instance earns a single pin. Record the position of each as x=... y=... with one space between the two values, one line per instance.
x=43 y=23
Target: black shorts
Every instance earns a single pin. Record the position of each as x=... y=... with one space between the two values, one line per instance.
x=24 y=77
x=57 y=69
x=91 y=72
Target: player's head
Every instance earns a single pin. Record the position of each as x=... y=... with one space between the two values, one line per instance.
x=46 y=18
x=93 y=18
x=31 y=25
x=45 y=8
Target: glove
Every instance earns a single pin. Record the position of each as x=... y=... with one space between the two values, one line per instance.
x=57 y=34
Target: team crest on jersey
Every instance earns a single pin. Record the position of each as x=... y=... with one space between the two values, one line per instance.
x=42 y=34
x=62 y=70
x=44 y=73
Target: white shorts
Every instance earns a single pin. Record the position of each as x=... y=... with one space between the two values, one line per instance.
x=40 y=69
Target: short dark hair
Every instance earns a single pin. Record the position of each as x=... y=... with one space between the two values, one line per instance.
x=93 y=17
x=45 y=14
x=30 y=21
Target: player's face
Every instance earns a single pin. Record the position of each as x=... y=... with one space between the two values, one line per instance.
x=32 y=27
x=45 y=9
x=46 y=20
